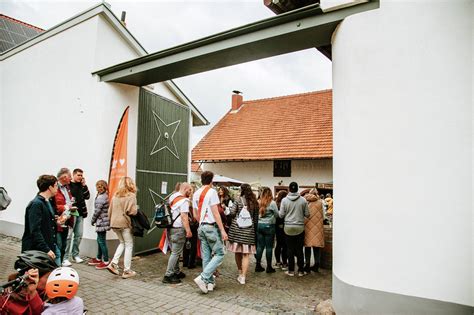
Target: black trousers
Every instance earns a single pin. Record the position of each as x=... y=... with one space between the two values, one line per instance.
x=280 y=248
x=316 y=254
x=189 y=254
x=295 y=244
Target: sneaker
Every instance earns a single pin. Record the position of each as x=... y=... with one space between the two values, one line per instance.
x=78 y=260
x=211 y=286
x=290 y=273
x=180 y=275
x=113 y=268
x=259 y=268
x=128 y=274
x=94 y=262
x=301 y=273
x=284 y=267
x=102 y=265
x=170 y=280
x=241 y=279
x=201 y=284
x=277 y=265
x=66 y=263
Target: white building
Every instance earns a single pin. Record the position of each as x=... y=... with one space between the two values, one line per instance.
x=272 y=142
x=403 y=125
x=54 y=113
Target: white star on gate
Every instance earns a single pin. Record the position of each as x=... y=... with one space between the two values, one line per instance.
x=166 y=127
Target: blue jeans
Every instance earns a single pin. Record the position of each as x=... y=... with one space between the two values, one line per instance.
x=76 y=241
x=102 y=250
x=265 y=239
x=57 y=252
x=211 y=242
x=61 y=240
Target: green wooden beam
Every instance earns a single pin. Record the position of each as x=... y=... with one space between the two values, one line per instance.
x=293 y=31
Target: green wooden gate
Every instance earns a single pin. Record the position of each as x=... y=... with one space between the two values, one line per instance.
x=162 y=156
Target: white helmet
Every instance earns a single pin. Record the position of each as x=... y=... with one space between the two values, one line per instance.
x=62 y=282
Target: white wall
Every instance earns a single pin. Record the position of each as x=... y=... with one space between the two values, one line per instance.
x=403 y=130
x=56 y=114
x=304 y=172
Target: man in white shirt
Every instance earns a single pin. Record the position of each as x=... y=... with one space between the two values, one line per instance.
x=211 y=231
x=180 y=230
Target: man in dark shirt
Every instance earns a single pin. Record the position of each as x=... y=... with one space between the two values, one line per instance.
x=80 y=193
x=40 y=221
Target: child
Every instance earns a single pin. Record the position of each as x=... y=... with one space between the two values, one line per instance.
x=61 y=288
x=102 y=225
x=26 y=296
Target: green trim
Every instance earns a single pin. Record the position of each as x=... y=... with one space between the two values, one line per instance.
x=296 y=30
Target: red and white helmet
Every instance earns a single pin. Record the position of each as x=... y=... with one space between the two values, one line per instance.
x=62 y=282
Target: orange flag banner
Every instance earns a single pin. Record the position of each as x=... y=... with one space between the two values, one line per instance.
x=118 y=163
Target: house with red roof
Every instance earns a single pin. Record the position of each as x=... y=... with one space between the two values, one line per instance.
x=272 y=142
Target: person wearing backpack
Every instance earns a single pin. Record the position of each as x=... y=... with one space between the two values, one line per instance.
x=242 y=232
x=211 y=231
x=294 y=209
x=178 y=232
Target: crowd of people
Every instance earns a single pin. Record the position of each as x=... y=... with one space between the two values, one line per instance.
x=206 y=223
x=246 y=225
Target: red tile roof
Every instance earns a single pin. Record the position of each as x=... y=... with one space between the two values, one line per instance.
x=289 y=127
x=196 y=167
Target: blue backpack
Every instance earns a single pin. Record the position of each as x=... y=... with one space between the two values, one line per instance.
x=163 y=217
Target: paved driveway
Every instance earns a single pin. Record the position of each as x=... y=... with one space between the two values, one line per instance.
x=104 y=293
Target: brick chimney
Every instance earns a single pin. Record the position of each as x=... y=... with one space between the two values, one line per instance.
x=237 y=100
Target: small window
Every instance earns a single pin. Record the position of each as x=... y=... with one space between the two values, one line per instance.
x=282 y=168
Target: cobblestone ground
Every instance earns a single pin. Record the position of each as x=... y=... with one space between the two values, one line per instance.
x=104 y=293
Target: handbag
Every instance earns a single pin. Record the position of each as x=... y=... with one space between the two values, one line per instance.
x=244 y=219
x=140 y=223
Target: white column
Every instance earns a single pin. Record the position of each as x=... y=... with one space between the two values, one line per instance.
x=403 y=143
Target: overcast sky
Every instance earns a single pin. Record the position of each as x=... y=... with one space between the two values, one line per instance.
x=161 y=24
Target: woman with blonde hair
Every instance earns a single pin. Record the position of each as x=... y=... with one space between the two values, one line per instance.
x=314 y=231
x=268 y=212
x=242 y=239
x=122 y=206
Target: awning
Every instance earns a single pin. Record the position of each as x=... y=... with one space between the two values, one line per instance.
x=300 y=29
x=226 y=181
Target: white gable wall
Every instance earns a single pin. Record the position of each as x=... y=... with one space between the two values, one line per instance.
x=55 y=114
x=304 y=172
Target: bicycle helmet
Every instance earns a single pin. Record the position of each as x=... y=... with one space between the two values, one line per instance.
x=35 y=259
x=62 y=282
